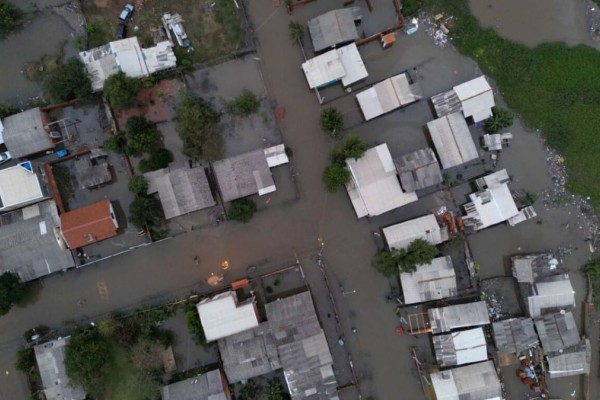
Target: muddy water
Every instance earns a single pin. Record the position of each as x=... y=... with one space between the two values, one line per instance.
x=532 y=22
x=47 y=33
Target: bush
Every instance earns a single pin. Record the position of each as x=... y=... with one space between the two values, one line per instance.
x=142 y=135
x=9 y=16
x=138 y=185
x=410 y=8
x=158 y=160
x=386 y=263
x=353 y=147
x=12 y=291
x=87 y=358
x=25 y=360
x=116 y=143
x=198 y=127
x=145 y=211
x=245 y=104
x=194 y=325
x=242 y=210
x=500 y=119
x=332 y=121
x=418 y=252
x=119 y=89
x=70 y=81
x=335 y=176
x=7 y=110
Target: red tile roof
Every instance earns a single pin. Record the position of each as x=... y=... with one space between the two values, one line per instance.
x=87 y=224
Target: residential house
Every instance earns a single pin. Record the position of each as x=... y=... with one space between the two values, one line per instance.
x=89 y=224
x=92 y=169
x=249 y=173
x=343 y=64
x=26 y=133
x=401 y=235
x=433 y=281
x=334 y=28
x=210 y=385
x=474 y=382
x=459 y=348
x=374 y=188
x=20 y=186
x=418 y=170
x=388 y=95
x=222 y=315
x=30 y=243
x=473 y=98
x=514 y=336
x=181 y=190
x=446 y=319
x=56 y=384
x=452 y=140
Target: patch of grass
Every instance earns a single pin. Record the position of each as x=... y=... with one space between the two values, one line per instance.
x=123 y=381
x=552 y=87
x=100 y=31
x=64 y=181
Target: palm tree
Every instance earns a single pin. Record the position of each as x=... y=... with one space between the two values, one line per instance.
x=296 y=32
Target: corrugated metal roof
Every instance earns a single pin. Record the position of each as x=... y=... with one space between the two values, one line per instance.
x=343 y=64
x=458 y=348
x=399 y=236
x=222 y=316
x=476 y=97
x=375 y=187
x=243 y=175
x=557 y=331
x=445 y=319
x=333 y=28
x=514 y=335
x=418 y=170
x=490 y=207
x=206 y=386
x=452 y=140
x=354 y=66
x=472 y=382
x=529 y=268
x=25 y=133
x=553 y=294
x=433 y=281
x=446 y=103
x=50 y=358
x=576 y=361
x=387 y=96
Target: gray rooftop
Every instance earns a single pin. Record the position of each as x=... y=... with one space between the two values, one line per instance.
x=208 y=386
x=576 y=361
x=452 y=140
x=25 y=133
x=243 y=175
x=462 y=347
x=471 y=382
x=433 y=281
x=445 y=319
x=291 y=339
x=92 y=170
x=529 y=268
x=552 y=294
x=514 y=335
x=418 y=170
x=50 y=358
x=28 y=246
x=180 y=191
x=446 y=103
x=557 y=331
x=333 y=28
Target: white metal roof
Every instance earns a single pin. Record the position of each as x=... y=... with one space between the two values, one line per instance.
x=343 y=64
x=276 y=155
x=458 y=348
x=477 y=98
x=375 y=188
x=386 y=96
x=494 y=205
x=222 y=316
x=433 y=281
x=353 y=64
x=554 y=294
x=445 y=319
x=474 y=382
x=452 y=140
x=19 y=185
x=399 y=236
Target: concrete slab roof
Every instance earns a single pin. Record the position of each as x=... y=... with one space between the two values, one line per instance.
x=50 y=358
x=25 y=133
x=19 y=186
x=222 y=316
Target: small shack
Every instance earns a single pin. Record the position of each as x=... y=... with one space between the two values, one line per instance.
x=445 y=319
x=452 y=140
x=473 y=98
x=222 y=315
x=26 y=133
x=514 y=336
x=334 y=28
x=418 y=170
x=433 y=281
x=459 y=348
x=401 y=235
x=474 y=382
x=388 y=95
x=344 y=64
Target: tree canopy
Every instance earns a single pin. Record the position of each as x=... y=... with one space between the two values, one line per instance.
x=296 y=31
x=120 y=89
x=142 y=135
x=87 y=357
x=332 y=121
x=198 y=127
x=337 y=174
x=12 y=291
x=245 y=104
x=500 y=119
x=418 y=252
x=10 y=16
x=145 y=211
x=7 y=110
x=158 y=159
x=138 y=185
x=70 y=81
x=242 y=210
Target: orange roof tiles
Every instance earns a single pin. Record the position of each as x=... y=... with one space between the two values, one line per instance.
x=88 y=224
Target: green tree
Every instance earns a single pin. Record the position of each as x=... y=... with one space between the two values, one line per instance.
x=120 y=90
x=25 y=360
x=353 y=147
x=334 y=176
x=410 y=8
x=296 y=31
x=198 y=127
x=274 y=391
x=194 y=325
x=116 y=142
x=10 y=16
x=7 y=110
x=242 y=210
x=87 y=359
x=332 y=121
x=145 y=211
x=592 y=268
x=418 y=252
x=250 y=391
x=386 y=262
x=500 y=119
x=245 y=104
x=138 y=185
x=70 y=81
x=12 y=291
x=142 y=135
x=158 y=159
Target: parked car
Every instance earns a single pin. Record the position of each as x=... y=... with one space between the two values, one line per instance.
x=126 y=13
x=4 y=157
x=121 y=31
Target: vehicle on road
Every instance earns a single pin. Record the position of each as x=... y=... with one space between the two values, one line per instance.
x=126 y=13
x=121 y=31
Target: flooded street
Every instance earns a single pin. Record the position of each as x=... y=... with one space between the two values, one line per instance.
x=533 y=22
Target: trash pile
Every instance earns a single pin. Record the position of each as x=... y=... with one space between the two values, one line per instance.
x=437 y=28
x=593 y=20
